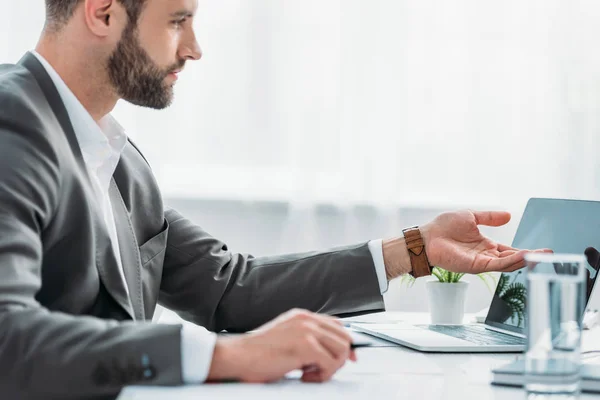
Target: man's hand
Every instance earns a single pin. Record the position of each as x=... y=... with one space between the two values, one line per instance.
x=453 y=242
x=317 y=344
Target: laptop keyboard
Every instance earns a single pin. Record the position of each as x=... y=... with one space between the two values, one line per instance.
x=475 y=334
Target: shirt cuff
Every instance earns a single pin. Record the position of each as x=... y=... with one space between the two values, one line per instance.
x=376 y=249
x=197 y=347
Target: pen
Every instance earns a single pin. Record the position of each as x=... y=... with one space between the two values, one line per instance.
x=359 y=345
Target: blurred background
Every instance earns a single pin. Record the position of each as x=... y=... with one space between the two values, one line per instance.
x=315 y=123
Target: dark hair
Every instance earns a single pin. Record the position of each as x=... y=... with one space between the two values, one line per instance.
x=58 y=12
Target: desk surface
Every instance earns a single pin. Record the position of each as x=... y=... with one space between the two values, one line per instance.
x=394 y=372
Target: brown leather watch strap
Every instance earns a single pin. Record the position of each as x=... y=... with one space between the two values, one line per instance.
x=416 y=250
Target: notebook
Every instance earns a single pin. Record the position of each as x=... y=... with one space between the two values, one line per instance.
x=512 y=375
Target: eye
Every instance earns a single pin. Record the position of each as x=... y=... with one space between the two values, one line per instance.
x=178 y=22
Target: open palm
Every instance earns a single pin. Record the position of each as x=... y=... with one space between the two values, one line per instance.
x=454 y=242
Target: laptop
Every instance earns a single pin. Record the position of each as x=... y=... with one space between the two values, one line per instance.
x=565 y=226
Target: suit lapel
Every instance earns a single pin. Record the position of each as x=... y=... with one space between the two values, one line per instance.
x=106 y=263
x=128 y=246
x=108 y=269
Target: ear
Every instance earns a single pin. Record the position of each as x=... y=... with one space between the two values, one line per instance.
x=102 y=17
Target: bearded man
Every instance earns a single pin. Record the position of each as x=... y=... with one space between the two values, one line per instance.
x=87 y=249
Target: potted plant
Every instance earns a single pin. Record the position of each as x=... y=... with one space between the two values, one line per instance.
x=509 y=301
x=447 y=294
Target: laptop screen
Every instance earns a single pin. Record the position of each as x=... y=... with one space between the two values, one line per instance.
x=565 y=226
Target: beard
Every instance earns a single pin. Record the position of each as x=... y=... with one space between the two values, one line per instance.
x=135 y=77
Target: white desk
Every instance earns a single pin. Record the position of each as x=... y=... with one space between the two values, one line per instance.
x=393 y=372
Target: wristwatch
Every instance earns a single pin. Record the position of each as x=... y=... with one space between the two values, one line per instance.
x=416 y=250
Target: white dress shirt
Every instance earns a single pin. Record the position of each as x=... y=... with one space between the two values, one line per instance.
x=101 y=145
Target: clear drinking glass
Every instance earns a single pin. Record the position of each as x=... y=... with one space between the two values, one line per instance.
x=555 y=305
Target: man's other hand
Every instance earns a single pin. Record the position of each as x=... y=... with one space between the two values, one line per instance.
x=297 y=340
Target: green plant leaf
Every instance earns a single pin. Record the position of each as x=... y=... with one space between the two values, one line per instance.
x=407 y=280
x=436 y=272
x=484 y=278
x=451 y=277
x=502 y=284
x=515 y=292
x=515 y=297
x=447 y=276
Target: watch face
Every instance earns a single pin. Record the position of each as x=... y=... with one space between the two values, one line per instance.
x=412 y=228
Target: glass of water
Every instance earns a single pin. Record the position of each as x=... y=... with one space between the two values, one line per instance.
x=555 y=305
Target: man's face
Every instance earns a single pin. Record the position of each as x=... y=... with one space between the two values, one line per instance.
x=144 y=66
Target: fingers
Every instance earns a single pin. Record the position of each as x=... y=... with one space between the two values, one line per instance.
x=319 y=363
x=541 y=251
x=316 y=376
x=336 y=327
x=337 y=345
x=312 y=376
x=510 y=260
x=353 y=356
x=503 y=248
x=491 y=218
x=505 y=251
x=514 y=267
x=325 y=348
x=506 y=263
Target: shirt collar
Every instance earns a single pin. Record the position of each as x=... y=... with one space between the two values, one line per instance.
x=98 y=141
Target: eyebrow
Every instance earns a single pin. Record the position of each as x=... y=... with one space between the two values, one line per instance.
x=182 y=13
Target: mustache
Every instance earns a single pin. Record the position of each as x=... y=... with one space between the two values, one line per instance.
x=179 y=65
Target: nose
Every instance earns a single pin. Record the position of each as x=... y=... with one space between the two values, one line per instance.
x=192 y=53
x=190 y=49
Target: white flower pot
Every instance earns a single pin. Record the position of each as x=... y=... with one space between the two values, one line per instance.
x=447 y=302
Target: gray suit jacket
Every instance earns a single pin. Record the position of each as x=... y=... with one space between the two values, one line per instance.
x=68 y=329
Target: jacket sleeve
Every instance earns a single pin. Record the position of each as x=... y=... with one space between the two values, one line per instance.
x=43 y=354
x=206 y=283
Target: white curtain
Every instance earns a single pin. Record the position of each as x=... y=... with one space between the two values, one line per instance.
x=382 y=102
